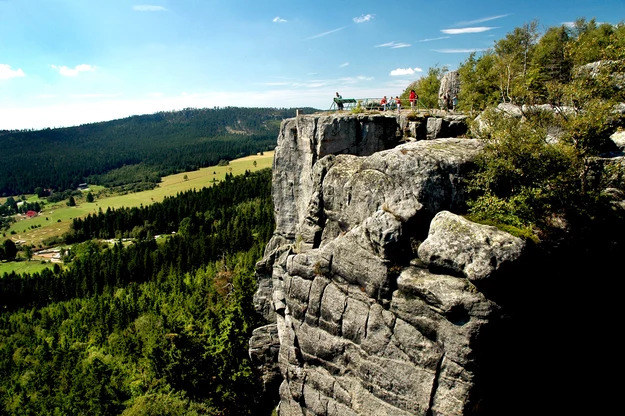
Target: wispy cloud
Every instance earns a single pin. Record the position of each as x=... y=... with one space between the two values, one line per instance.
x=278 y=19
x=363 y=18
x=148 y=8
x=319 y=35
x=481 y=20
x=467 y=50
x=433 y=39
x=462 y=30
x=393 y=45
x=72 y=72
x=6 y=72
x=344 y=64
x=405 y=71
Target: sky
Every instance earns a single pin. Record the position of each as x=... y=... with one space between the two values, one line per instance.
x=69 y=62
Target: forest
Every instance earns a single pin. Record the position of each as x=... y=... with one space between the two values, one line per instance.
x=159 y=327
x=134 y=152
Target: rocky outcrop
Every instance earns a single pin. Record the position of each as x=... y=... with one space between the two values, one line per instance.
x=378 y=298
x=431 y=127
x=450 y=85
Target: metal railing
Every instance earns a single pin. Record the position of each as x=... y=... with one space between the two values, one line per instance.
x=371 y=104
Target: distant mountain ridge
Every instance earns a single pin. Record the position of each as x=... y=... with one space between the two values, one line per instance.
x=137 y=149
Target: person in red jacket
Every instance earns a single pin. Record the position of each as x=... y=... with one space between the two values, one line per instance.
x=383 y=103
x=413 y=98
x=398 y=101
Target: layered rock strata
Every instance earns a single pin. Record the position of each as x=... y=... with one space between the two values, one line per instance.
x=372 y=288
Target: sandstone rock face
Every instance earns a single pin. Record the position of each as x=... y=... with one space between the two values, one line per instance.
x=372 y=289
x=450 y=85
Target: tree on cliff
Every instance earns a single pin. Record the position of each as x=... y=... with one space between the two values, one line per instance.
x=524 y=180
x=523 y=68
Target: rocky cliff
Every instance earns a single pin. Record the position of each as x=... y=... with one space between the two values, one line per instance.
x=379 y=298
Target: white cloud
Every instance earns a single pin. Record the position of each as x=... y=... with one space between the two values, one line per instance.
x=325 y=33
x=482 y=20
x=344 y=64
x=148 y=8
x=72 y=72
x=393 y=45
x=462 y=30
x=404 y=71
x=433 y=39
x=363 y=18
x=467 y=50
x=568 y=24
x=6 y=72
x=278 y=19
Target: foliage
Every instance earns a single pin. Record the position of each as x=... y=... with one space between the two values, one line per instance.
x=150 y=329
x=358 y=109
x=525 y=68
x=8 y=250
x=525 y=181
x=143 y=148
x=426 y=87
x=478 y=81
x=528 y=179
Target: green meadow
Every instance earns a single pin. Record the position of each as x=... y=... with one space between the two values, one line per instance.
x=55 y=219
x=25 y=266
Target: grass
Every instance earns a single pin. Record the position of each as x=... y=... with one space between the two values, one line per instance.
x=55 y=219
x=23 y=266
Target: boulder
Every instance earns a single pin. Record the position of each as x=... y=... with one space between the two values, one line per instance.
x=475 y=251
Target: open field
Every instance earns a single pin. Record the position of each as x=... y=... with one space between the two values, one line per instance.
x=23 y=266
x=55 y=219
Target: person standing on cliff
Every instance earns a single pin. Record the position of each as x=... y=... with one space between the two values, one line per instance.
x=413 y=98
x=398 y=101
x=383 y=103
x=339 y=103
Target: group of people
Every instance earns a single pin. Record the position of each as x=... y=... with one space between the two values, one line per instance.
x=448 y=102
x=386 y=103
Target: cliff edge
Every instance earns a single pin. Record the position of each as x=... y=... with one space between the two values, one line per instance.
x=379 y=298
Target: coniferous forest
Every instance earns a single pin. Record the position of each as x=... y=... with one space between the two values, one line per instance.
x=158 y=327
x=133 y=152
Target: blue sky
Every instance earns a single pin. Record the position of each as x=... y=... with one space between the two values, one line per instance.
x=67 y=62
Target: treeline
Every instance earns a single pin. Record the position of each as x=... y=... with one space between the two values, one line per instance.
x=530 y=67
x=158 y=327
x=214 y=203
x=565 y=65
x=134 y=150
x=240 y=216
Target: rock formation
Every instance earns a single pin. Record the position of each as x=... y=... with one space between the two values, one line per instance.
x=450 y=85
x=379 y=300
